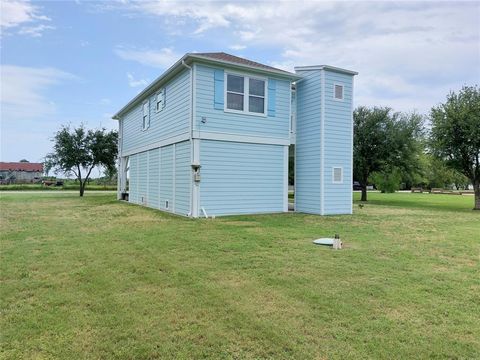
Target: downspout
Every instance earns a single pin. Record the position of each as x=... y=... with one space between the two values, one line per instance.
x=191 y=135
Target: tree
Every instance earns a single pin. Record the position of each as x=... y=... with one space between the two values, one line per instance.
x=384 y=141
x=455 y=134
x=79 y=150
x=24 y=161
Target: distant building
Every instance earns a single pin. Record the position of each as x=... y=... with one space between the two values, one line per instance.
x=20 y=172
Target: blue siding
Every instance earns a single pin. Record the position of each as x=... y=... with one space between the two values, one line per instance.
x=217 y=120
x=166 y=177
x=338 y=144
x=133 y=179
x=182 y=177
x=307 y=148
x=153 y=199
x=142 y=177
x=241 y=178
x=173 y=120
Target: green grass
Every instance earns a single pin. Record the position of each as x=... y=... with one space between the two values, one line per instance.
x=96 y=278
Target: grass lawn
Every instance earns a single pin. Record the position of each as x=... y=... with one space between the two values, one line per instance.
x=96 y=278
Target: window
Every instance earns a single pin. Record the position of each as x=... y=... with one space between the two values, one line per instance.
x=245 y=94
x=337 y=175
x=338 y=92
x=146 y=115
x=160 y=100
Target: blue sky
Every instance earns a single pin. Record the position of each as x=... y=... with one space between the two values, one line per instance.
x=81 y=61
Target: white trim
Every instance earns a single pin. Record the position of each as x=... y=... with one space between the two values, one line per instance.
x=246 y=93
x=174 y=180
x=159 y=178
x=333 y=175
x=168 y=141
x=351 y=152
x=325 y=67
x=212 y=135
x=148 y=176
x=343 y=91
x=322 y=142
x=285 y=178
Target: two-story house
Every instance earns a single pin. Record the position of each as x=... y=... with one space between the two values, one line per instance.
x=211 y=135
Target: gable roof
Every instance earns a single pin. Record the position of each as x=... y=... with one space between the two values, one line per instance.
x=21 y=166
x=224 y=57
x=215 y=58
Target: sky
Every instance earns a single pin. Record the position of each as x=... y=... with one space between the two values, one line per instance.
x=73 y=62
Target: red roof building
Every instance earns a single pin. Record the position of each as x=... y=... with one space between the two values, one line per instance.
x=21 y=166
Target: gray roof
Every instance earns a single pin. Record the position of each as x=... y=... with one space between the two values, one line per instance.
x=237 y=60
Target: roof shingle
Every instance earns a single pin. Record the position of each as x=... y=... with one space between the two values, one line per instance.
x=222 y=56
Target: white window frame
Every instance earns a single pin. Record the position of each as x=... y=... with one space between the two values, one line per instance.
x=246 y=94
x=161 y=93
x=146 y=124
x=343 y=91
x=333 y=175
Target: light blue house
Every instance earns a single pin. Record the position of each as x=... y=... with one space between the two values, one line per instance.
x=211 y=137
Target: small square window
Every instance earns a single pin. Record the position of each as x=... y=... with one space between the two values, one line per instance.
x=337 y=175
x=338 y=92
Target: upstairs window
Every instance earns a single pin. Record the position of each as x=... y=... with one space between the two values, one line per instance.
x=146 y=115
x=338 y=91
x=245 y=94
x=160 y=100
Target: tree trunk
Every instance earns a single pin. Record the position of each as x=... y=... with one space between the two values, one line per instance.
x=364 y=192
x=82 y=189
x=476 y=188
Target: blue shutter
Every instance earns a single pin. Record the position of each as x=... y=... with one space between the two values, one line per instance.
x=272 y=87
x=218 y=99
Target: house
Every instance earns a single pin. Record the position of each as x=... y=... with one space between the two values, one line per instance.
x=211 y=135
x=20 y=172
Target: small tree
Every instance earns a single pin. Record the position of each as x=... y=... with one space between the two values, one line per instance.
x=79 y=150
x=384 y=141
x=455 y=135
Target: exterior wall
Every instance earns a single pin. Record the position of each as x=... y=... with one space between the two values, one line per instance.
x=275 y=126
x=20 y=176
x=242 y=178
x=160 y=175
x=338 y=144
x=323 y=141
x=173 y=120
x=307 y=146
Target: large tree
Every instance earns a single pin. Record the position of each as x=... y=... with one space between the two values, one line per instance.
x=455 y=134
x=79 y=150
x=384 y=141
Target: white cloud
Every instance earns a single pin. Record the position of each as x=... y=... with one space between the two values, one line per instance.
x=162 y=58
x=16 y=13
x=23 y=91
x=408 y=54
x=35 y=31
x=238 y=47
x=132 y=82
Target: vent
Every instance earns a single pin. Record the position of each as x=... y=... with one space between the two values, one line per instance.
x=337 y=175
x=338 y=92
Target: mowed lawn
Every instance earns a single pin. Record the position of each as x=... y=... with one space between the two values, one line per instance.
x=97 y=278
